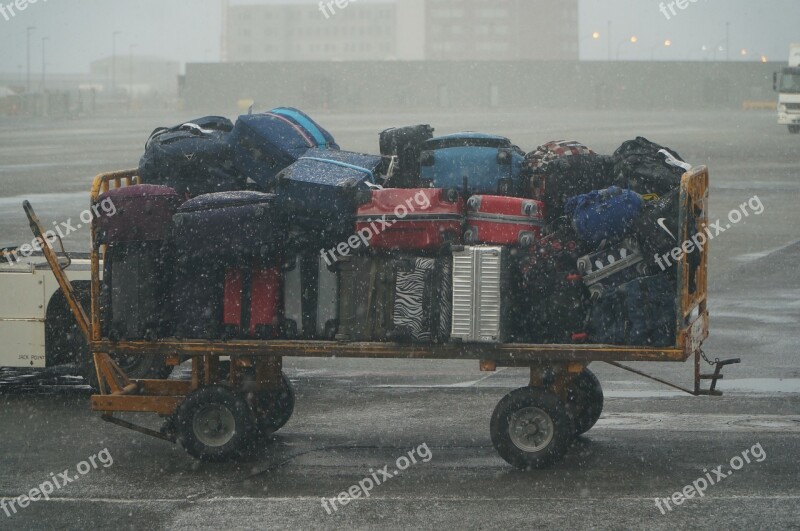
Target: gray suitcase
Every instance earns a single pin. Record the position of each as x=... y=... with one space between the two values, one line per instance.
x=310 y=298
x=481 y=294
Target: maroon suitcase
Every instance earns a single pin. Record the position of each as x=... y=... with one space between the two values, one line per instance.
x=135 y=213
x=412 y=219
x=498 y=220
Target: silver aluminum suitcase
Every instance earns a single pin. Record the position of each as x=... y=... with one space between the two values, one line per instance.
x=480 y=294
x=310 y=299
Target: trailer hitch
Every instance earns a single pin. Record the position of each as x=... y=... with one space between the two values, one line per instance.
x=714 y=377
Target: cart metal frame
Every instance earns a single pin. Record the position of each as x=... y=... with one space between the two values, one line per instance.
x=551 y=366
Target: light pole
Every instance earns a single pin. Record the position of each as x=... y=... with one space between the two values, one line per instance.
x=29 y=30
x=727 y=41
x=130 y=75
x=608 y=38
x=114 y=62
x=633 y=40
x=44 y=63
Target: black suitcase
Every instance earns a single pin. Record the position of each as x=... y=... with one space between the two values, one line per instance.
x=197 y=300
x=366 y=298
x=233 y=228
x=405 y=143
x=136 y=290
x=568 y=177
x=422 y=300
x=194 y=158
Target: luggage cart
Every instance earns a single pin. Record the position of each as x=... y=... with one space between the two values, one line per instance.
x=218 y=417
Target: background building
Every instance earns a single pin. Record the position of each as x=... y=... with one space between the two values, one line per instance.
x=501 y=30
x=301 y=32
x=411 y=30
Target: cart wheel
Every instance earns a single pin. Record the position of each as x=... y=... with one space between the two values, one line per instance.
x=584 y=401
x=531 y=428
x=274 y=409
x=215 y=423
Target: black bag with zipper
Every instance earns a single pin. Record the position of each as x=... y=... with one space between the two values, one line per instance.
x=648 y=168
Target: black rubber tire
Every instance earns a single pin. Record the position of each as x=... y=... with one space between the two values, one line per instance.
x=232 y=442
x=794 y=129
x=560 y=425
x=585 y=401
x=274 y=409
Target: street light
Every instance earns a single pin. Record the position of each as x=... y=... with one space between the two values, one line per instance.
x=633 y=40
x=30 y=29
x=114 y=62
x=764 y=59
x=44 y=64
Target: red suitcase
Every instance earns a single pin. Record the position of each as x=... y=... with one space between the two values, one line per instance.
x=251 y=303
x=411 y=219
x=500 y=220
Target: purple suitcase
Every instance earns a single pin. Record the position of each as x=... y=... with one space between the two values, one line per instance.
x=135 y=213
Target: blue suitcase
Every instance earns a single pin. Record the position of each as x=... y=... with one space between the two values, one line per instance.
x=485 y=164
x=265 y=144
x=322 y=190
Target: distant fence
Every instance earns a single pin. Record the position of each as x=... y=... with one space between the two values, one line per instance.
x=471 y=85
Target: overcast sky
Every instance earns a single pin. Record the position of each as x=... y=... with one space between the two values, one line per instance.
x=80 y=31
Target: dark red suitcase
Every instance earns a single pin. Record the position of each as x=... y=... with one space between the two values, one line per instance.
x=498 y=220
x=411 y=219
x=135 y=213
x=252 y=303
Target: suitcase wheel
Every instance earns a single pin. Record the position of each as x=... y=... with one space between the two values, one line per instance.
x=526 y=239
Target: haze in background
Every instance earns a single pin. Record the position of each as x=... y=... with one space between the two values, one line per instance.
x=80 y=31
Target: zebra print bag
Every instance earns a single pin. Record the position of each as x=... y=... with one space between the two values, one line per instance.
x=422 y=303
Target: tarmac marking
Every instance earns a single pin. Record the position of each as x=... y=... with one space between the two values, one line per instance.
x=689 y=422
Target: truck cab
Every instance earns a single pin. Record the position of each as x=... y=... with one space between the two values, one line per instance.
x=787 y=84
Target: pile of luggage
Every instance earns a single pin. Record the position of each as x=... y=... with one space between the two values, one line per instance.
x=267 y=229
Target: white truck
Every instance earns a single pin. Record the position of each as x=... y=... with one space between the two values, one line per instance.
x=787 y=84
x=37 y=329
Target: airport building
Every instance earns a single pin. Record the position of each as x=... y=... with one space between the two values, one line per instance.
x=405 y=30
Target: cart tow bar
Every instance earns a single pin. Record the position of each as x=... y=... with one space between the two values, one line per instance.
x=715 y=377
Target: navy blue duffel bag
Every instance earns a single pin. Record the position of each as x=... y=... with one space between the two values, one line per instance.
x=603 y=214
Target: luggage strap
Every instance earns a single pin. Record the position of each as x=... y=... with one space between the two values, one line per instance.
x=343 y=165
x=307 y=124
